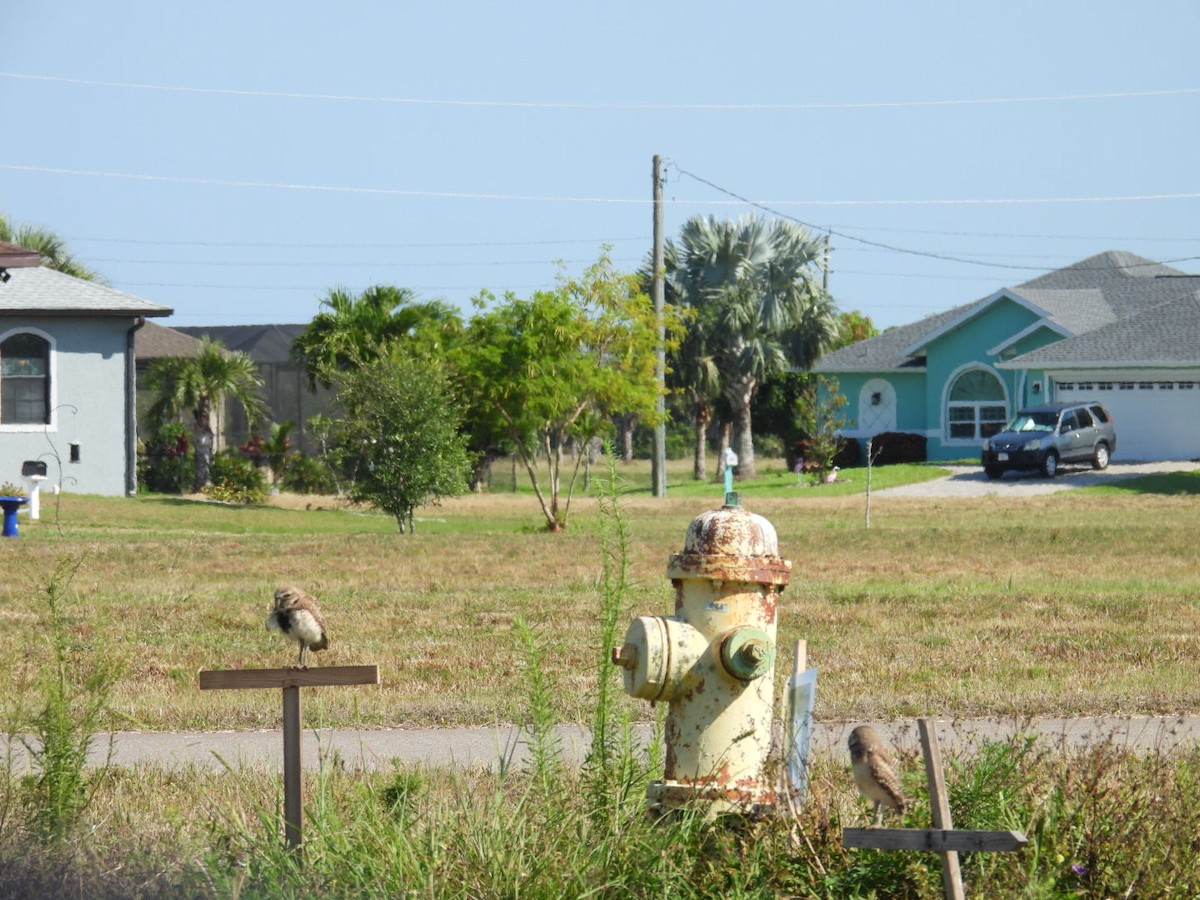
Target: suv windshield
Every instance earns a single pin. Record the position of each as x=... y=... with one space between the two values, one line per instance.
x=1036 y=421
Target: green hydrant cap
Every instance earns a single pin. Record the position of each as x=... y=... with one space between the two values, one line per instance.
x=748 y=653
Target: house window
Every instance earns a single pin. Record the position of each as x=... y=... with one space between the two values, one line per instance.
x=976 y=408
x=24 y=380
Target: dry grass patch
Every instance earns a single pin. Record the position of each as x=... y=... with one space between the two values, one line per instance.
x=1071 y=603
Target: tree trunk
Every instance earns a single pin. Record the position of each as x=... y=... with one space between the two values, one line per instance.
x=726 y=432
x=481 y=472
x=625 y=426
x=204 y=448
x=700 y=452
x=744 y=444
x=740 y=394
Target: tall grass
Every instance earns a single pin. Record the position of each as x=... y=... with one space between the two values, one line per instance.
x=1100 y=822
x=76 y=686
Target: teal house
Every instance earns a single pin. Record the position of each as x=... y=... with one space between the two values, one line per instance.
x=1117 y=328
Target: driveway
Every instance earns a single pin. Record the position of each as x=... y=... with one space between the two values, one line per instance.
x=970 y=481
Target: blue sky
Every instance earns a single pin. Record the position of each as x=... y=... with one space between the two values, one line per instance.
x=237 y=160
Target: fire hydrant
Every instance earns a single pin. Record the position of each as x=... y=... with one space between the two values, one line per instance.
x=713 y=662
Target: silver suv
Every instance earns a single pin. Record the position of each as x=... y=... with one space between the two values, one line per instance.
x=1041 y=437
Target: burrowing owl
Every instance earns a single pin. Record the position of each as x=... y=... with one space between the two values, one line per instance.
x=873 y=772
x=296 y=616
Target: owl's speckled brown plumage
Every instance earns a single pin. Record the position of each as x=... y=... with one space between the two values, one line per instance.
x=297 y=617
x=873 y=772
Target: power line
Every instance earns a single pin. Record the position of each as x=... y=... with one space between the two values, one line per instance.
x=453 y=195
x=542 y=104
x=308 y=287
x=317 y=188
x=945 y=257
x=336 y=264
x=356 y=246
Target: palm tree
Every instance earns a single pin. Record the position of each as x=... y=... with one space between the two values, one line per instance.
x=50 y=246
x=758 y=309
x=201 y=384
x=355 y=329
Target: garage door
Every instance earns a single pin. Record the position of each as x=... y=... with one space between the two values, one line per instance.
x=1154 y=419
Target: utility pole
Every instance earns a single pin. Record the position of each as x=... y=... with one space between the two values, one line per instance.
x=658 y=465
x=825 y=266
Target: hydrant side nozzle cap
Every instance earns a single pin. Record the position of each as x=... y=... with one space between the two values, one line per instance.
x=625 y=656
x=747 y=653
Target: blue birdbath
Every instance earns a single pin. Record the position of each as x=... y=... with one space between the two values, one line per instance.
x=10 y=505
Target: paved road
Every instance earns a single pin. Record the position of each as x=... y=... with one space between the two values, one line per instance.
x=970 y=481
x=374 y=749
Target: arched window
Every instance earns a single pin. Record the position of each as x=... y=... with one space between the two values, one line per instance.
x=24 y=380
x=976 y=406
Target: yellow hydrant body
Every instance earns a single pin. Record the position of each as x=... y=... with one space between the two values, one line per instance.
x=713 y=662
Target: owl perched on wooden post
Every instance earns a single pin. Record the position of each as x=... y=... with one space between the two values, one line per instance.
x=297 y=617
x=873 y=772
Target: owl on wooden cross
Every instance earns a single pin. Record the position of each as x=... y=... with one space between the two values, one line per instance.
x=873 y=772
x=297 y=617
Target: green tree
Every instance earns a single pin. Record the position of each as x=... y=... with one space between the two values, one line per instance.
x=775 y=403
x=49 y=245
x=554 y=369
x=852 y=327
x=354 y=329
x=201 y=384
x=400 y=435
x=819 y=416
x=757 y=302
x=351 y=330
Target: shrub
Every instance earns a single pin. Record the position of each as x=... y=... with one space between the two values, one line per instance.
x=235 y=479
x=897 y=447
x=166 y=462
x=847 y=455
x=308 y=475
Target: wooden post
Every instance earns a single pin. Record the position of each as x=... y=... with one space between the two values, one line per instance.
x=293 y=803
x=942 y=838
x=290 y=681
x=939 y=806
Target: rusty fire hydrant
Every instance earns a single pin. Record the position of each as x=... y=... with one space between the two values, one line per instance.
x=713 y=662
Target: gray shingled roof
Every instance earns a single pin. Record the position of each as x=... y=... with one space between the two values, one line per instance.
x=42 y=291
x=154 y=341
x=263 y=343
x=886 y=351
x=1091 y=294
x=1166 y=335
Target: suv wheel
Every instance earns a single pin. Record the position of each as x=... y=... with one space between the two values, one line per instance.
x=1050 y=464
x=1100 y=457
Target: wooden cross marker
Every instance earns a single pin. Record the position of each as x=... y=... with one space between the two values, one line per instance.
x=942 y=838
x=290 y=680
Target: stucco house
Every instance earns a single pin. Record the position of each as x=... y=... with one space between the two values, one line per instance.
x=67 y=379
x=1115 y=327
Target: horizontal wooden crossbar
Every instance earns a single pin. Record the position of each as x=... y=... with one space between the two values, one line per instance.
x=934 y=839
x=321 y=676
